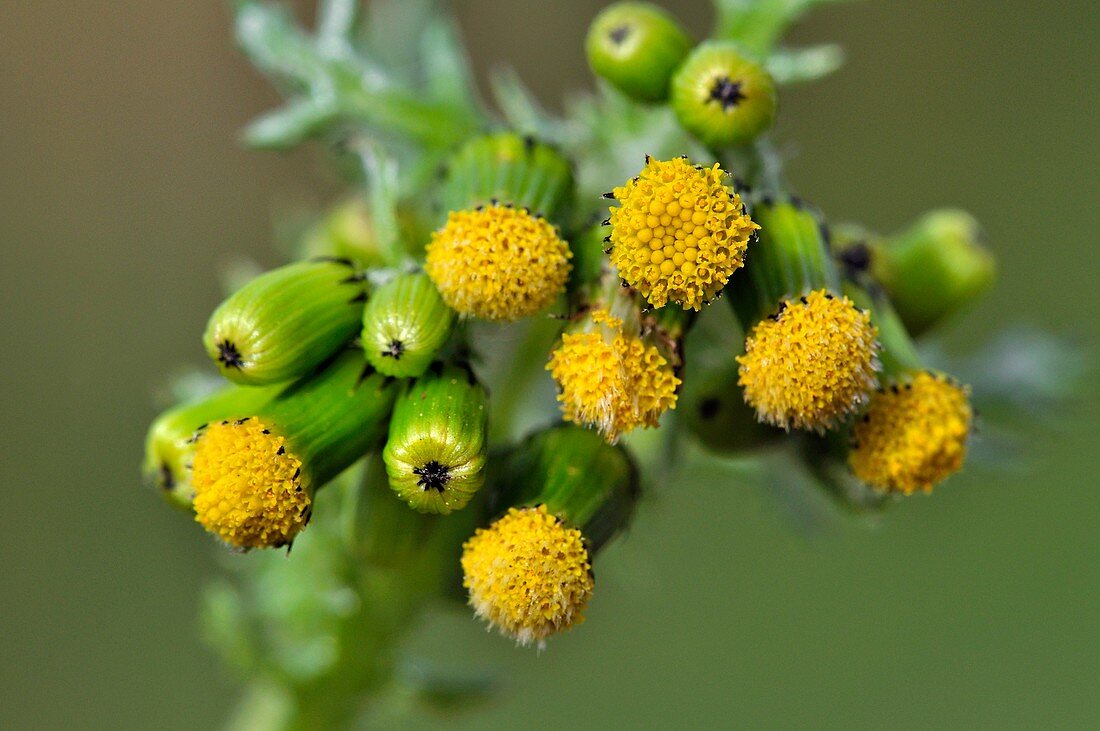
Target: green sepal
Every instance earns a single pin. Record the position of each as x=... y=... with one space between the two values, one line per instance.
x=286 y=322
x=636 y=47
x=935 y=268
x=169 y=445
x=722 y=96
x=789 y=259
x=405 y=323
x=579 y=477
x=333 y=417
x=436 y=451
x=509 y=169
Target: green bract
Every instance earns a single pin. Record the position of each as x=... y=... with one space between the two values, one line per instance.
x=636 y=47
x=509 y=169
x=436 y=449
x=169 y=445
x=405 y=323
x=284 y=323
x=722 y=97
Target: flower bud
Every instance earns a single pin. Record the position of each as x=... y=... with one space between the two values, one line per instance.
x=529 y=574
x=636 y=47
x=935 y=268
x=254 y=474
x=436 y=451
x=405 y=323
x=286 y=322
x=347 y=232
x=716 y=413
x=509 y=169
x=169 y=445
x=722 y=97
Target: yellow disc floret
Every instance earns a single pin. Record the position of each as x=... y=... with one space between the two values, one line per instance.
x=248 y=485
x=497 y=262
x=678 y=233
x=612 y=380
x=811 y=364
x=913 y=435
x=528 y=574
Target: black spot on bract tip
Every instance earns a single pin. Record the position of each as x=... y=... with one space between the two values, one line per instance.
x=856 y=258
x=229 y=356
x=433 y=476
x=726 y=92
x=167 y=480
x=395 y=350
x=618 y=34
x=708 y=409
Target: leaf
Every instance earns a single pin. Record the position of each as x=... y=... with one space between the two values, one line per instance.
x=290 y=125
x=520 y=107
x=798 y=65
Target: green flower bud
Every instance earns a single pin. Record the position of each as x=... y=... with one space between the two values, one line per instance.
x=254 y=476
x=436 y=451
x=405 y=323
x=722 y=97
x=347 y=232
x=935 y=268
x=286 y=322
x=636 y=47
x=509 y=169
x=169 y=445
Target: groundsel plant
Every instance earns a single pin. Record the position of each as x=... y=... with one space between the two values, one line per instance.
x=383 y=410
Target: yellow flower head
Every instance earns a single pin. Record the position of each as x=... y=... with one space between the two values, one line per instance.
x=612 y=380
x=497 y=262
x=913 y=435
x=248 y=486
x=810 y=364
x=528 y=574
x=678 y=233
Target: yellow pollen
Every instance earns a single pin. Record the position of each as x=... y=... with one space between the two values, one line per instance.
x=913 y=435
x=679 y=213
x=497 y=263
x=248 y=486
x=811 y=364
x=611 y=380
x=528 y=574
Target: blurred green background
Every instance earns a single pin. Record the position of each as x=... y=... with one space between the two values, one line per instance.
x=124 y=192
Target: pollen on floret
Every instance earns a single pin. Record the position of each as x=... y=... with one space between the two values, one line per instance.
x=811 y=364
x=528 y=574
x=248 y=485
x=611 y=380
x=678 y=233
x=913 y=435
x=497 y=262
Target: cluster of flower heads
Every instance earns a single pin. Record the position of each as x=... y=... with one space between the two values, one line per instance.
x=357 y=353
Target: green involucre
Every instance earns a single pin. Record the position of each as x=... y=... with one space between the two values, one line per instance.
x=286 y=322
x=169 y=442
x=935 y=268
x=333 y=417
x=405 y=323
x=511 y=170
x=436 y=451
x=636 y=47
x=723 y=97
x=578 y=476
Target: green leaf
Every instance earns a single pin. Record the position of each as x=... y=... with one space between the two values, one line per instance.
x=799 y=65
